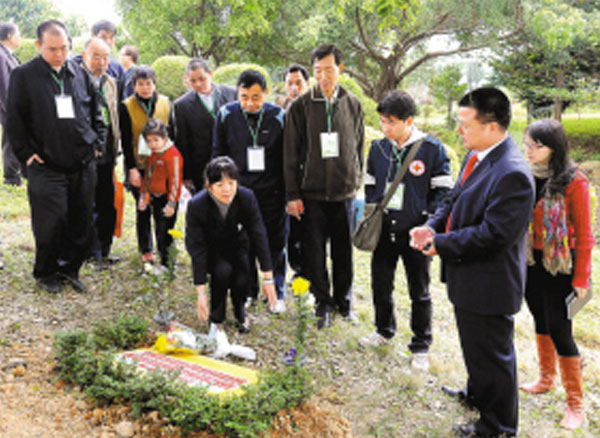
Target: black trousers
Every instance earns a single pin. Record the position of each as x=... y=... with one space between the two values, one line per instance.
x=61 y=217
x=272 y=210
x=294 y=245
x=545 y=296
x=142 y=221
x=491 y=362
x=229 y=272
x=416 y=267
x=11 y=166
x=105 y=214
x=329 y=221
x=162 y=225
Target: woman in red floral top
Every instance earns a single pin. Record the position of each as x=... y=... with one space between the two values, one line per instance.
x=560 y=248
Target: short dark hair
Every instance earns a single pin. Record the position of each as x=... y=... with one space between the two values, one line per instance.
x=132 y=52
x=155 y=126
x=325 y=50
x=52 y=26
x=294 y=68
x=399 y=104
x=197 y=64
x=218 y=167
x=491 y=104
x=7 y=30
x=247 y=78
x=143 y=72
x=106 y=25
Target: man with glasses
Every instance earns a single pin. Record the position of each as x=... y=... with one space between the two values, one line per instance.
x=324 y=158
x=479 y=232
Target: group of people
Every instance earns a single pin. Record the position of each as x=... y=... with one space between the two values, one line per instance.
x=276 y=184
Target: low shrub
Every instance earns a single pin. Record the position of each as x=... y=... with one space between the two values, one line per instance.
x=169 y=75
x=88 y=360
x=228 y=74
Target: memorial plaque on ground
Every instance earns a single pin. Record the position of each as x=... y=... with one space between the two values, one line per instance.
x=217 y=376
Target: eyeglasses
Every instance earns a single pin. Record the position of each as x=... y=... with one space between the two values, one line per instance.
x=533 y=146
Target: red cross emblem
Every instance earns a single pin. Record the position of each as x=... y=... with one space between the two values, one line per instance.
x=417 y=168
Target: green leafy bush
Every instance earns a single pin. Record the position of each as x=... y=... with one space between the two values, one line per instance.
x=228 y=74
x=27 y=50
x=369 y=105
x=169 y=75
x=88 y=359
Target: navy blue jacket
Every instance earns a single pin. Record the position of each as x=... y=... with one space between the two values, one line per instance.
x=484 y=252
x=426 y=182
x=232 y=138
x=208 y=234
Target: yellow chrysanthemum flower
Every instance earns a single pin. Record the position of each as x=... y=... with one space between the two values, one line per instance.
x=175 y=233
x=300 y=286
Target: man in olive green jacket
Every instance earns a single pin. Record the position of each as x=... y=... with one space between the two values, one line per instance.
x=323 y=166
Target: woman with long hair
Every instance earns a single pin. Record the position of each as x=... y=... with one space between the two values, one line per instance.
x=559 y=258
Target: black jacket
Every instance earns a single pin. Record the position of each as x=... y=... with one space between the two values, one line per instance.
x=232 y=138
x=194 y=129
x=32 y=122
x=208 y=234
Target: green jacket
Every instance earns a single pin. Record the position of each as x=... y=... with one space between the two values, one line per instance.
x=307 y=174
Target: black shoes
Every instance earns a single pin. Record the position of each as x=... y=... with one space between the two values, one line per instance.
x=72 y=278
x=460 y=395
x=470 y=431
x=243 y=327
x=324 y=320
x=50 y=284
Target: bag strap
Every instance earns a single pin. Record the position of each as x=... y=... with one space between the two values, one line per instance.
x=392 y=189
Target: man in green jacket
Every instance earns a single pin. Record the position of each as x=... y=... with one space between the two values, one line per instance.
x=323 y=166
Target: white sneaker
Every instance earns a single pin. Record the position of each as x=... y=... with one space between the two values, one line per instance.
x=373 y=340
x=279 y=307
x=419 y=362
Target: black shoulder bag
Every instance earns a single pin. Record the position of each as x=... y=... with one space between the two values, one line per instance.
x=367 y=233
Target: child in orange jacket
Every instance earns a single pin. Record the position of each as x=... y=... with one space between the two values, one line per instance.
x=161 y=186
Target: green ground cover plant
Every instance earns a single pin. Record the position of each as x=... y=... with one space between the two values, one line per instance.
x=88 y=359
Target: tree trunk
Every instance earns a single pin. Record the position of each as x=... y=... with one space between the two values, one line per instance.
x=558 y=104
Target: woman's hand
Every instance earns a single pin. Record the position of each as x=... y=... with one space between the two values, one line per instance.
x=202 y=303
x=268 y=288
x=580 y=291
x=135 y=178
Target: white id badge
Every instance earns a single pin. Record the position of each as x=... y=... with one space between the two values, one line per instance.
x=330 y=146
x=64 y=107
x=397 y=201
x=256 y=158
x=143 y=149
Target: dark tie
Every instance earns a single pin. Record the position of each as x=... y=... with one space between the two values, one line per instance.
x=468 y=170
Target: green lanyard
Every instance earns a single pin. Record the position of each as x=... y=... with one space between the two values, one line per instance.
x=254 y=132
x=399 y=156
x=59 y=81
x=101 y=92
x=329 y=109
x=147 y=109
x=212 y=111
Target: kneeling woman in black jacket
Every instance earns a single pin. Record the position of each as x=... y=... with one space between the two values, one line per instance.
x=223 y=220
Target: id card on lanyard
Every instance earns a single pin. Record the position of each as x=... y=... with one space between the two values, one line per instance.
x=330 y=142
x=64 y=102
x=142 y=146
x=255 y=154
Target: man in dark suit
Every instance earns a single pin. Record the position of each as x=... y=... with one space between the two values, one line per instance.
x=194 y=115
x=10 y=40
x=479 y=233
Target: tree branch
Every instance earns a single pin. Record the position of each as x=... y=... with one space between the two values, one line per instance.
x=179 y=44
x=433 y=55
x=363 y=38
